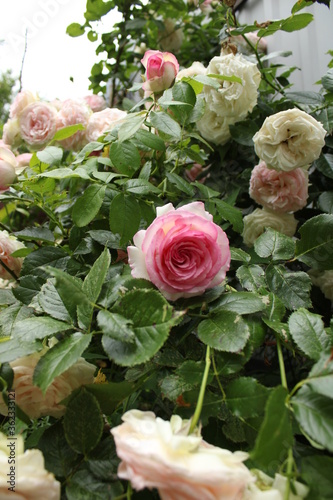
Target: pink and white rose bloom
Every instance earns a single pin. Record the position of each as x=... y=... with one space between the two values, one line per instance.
x=256 y=222
x=8 y=245
x=183 y=252
x=30 y=398
x=101 y=121
x=8 y=164
x=289 y=139
x=161 y=70
x=21 y=101
x=73 y=112
x=160 y=454
x=32 y=480
x=278 y=190
x=37 y=124
x=95 y=102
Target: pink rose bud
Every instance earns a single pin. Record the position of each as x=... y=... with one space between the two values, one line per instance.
x=7 y=168
x=183 y=252
x=161 y=70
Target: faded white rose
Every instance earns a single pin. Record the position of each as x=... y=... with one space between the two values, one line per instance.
x=215 y=127
x=31 y=481
x=289 y=139
x=171 y=38
x=256 y=222
x=196 y=68
x=11 y=133
x=323 y=280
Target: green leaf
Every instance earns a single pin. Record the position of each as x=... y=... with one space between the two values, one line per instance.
x=125 y=157
x=240 y=302
x=59 y=456
x=87 y=206
x=140 y=187
x=35 y=233
x=307 y=330
x=109 y=395
x=130 y=126
x=83 y=422
x=243 y=132
x=51 y=155
x=325 y=202
x=327 y=80
x=274 y=244
x=275 y=435
x=35 y=262
x=315 y=248
x=183 y=92
x=85 y=486
x=150 y=140
x=239 y=255
x=152 y=319
x=245 y=397
x=296 y=22
x=50 y=302
x=13 y=349
x=251 y=277
x=314 y=413
x=303 y=97
x=292 y=288
x=38 y=327
x=75 y=29
x=116 y=327
x=172 y=386
x=325 y=164
x=124 y=216
x=59 y=358
x=317 y=472
x=320 y=378
x=66 y=173
x=180 y=183
x=231 y=214
x=164 y=123
x=224 y=331
x=66 y=132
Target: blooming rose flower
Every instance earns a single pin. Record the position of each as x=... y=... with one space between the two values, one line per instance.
x=268 y=488
x=171 y=39
x=21 y=101
x=95 y=102
x=161 y=70
x=38 y=123
x=324 y=280
x=182 y=252
x=256 y=222
x=11 y=133
x=101 y=121
x=289 y=139
x=159 y=454
x=30 y=397
x=196 y=68
x=215 y=127
x=8 y=245
x=23 y=161
x=72 y=113
x=278 y=190
x=234 y=100
x=8 y=163
x=31 y=481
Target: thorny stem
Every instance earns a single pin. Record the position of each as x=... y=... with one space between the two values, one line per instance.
x=201 y=396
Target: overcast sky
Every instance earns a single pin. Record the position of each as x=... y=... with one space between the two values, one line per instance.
x=52 y=56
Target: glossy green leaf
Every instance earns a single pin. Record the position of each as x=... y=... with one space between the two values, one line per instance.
x=315 y=248
x=125 y=157
x=124 y=216
x=293 y=288
x=307 y=330
x=224 y=331
x=164 y=123
x=245 y=397
x=88 y=205
x=274 y=244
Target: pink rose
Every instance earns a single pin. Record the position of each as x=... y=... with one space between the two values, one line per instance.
x=102 y=121
x=8 y=164
x=30 y=397
x=159 y=454
x=38 y=123
x=161 y=70
x=8 y=245
x=72 y=113
x=21 y=101
x=23 y=161
x=183 y=252
x=278 y=190
x=95 y=102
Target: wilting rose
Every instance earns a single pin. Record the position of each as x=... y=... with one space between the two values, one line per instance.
x=160 y=454
x=8 y=245
x=21 y=101
x=324 y=280
x=183 y=252
x=171 y=39
x=278 y=190
x=73 y=112
x=38 y=123
x=255 y=224
x=289 y=139
x=95 y=102
x=8 y=164
x=161 y=70
x=31 y=481
x=102 y=121
x=215 y=127
x=11 y=133
x=233 y=99
x=196 y=68
x=30 y=397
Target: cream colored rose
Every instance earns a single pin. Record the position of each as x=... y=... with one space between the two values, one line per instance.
x=289 y=139
x=215 y=127
x=268 y=488
x=8 y=245
x=170 y=39
x=160 y=454
x=30 y=397
x=324 y=280
x=21 y=101
x=28 y=476
x=233 y=100
x=256 y=222
x=197 y=68
x=102 y=121
x=11 y=133
x=73 y=112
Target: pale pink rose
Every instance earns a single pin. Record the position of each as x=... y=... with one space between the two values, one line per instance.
x=8 y=163
x=278 y=190
x=21 y=101
x=8 y=245
x=101 y=121
x=31 y=481
x=161 y=70
x=196 y=68
x=4 y=145
x=38 y=124
x=160 y=454
x=72 y=113
x=206 y=7
x=95 y=102
x=30 y=397
x=23 y=161
x=183 y=252
x=256 y=222
x=11 y=133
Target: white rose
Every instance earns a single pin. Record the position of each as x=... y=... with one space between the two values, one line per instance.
x=256 y=222
x=21 y=101
x=267 y=488
x=11 y=133
x=31 y=480
x=214 y=127
x=234 y=100
x=101 y=121
x=170 y=39
x=289 y=139
x=324 y=280
x=196 y=68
